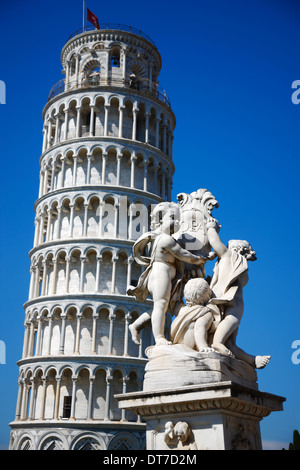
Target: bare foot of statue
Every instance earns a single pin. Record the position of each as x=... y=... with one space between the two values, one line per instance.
x=261 y=361
x=162 y=341
x=135 y=334
x=219 y=347
x=206 y=349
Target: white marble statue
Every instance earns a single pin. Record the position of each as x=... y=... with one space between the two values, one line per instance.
x=179 y=436
x=163 y=276
x=229 y=278
x=208 y=321
x=196 y=319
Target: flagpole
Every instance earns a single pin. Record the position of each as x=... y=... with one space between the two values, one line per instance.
x=83 y=15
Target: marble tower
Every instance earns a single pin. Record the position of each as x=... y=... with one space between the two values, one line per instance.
x=106 y=159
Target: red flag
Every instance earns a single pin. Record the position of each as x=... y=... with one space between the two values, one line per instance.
x=92 y=19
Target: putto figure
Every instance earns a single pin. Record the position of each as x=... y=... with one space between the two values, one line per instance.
x=163 y=276
x=196 y=319
x=207 y=311
x=228 y=281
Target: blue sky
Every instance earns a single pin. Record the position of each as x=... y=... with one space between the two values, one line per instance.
x=228 y=69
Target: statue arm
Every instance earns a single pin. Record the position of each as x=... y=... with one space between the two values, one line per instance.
x=180 y=253
x=214 y=239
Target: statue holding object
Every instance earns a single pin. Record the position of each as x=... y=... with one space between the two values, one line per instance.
x=182 y=239
x=164 y=273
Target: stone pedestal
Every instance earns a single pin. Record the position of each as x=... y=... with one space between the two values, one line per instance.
x=222 y=416
x=194 y=401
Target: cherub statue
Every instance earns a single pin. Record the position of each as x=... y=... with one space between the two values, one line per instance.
x=180 y=435
x=229 y=278
x=195 y=320
x=163 y=275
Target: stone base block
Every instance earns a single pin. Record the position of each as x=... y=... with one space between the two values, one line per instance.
x=177 y=365
x=215 y=416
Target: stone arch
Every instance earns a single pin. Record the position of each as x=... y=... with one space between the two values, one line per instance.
x=124 y=441
x=50 y=374
x=61 y=269
x=99 y=395
x=98 y=46
x=71 y=312
x=26 y=442
x=122 y=270
x=108 y=220
x=93 y=216
x=99 y=102
x=91 y=69
x=53 y=441
x=128 y=118
x=66 y=388
x=103 y=329
x=88 y=440
x=75 y=269
x=82 y=392
x=119 y=331
x=138 y=69
x=55 y=313
x=96 y=164
x=116 y=388
x=78 y=216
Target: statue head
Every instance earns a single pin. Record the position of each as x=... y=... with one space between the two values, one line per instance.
x=166 y=217
x=182 y=431
x=197 y=291
x=243 y=248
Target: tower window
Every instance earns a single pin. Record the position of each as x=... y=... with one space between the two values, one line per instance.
x=115 y=61
x=67 y=407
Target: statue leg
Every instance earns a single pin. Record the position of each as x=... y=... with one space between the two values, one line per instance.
x=224 y=330
x=137 y=325
x=259 y=362
x=202 y=326
x=238 y=352
x=160 y=285
x=158 y=321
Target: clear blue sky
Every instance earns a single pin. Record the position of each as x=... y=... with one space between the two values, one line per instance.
x=228 y=68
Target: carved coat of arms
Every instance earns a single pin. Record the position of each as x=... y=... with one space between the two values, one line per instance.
x=195 y=209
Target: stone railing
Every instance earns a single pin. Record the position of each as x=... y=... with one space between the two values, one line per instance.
x=113 y=27
x=147 y=87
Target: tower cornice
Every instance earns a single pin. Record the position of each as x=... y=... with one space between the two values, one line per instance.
x=112 y=35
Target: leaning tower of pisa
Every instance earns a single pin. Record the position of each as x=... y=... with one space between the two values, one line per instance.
x=106 y=159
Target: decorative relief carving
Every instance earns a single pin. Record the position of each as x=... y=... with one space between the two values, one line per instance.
x=225 y=404
x=179 y=436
